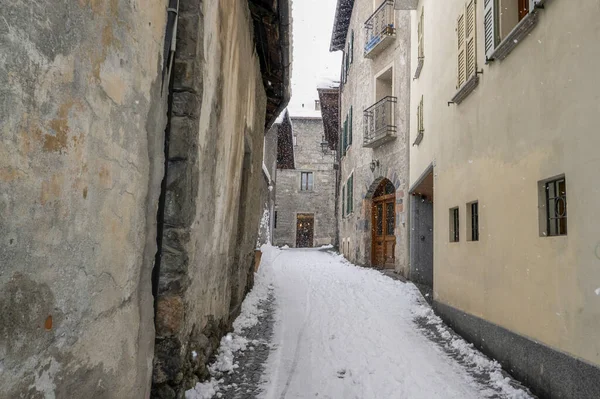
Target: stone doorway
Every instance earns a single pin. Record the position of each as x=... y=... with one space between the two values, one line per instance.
x=421 y=231
x=383 y=226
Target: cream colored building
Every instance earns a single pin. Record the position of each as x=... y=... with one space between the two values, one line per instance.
x=504 y=170
x=373 y=148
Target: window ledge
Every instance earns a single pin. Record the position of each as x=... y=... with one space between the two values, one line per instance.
x=519 y=33
x=419 y=67
x=466 y=89
x=419 y=138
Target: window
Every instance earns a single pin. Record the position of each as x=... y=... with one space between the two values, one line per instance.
x=352 y=47
x=306 y=181
x=275 y=221
x=347 y=133
x=454 y=225
x=465 y=30
x=317 y=105
x=506 y=24
x=350 y=195
x=421 y=51
x=467 y=78
x=554 y=207
x=344 y=201
x=473 y=220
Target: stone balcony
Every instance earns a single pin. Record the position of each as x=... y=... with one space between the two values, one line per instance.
x=380 y=29
x=379 y=125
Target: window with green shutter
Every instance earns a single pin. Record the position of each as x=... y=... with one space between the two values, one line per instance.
x=350 y=128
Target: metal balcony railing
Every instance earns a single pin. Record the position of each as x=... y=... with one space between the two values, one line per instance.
x=380 y=29
x=379 y=122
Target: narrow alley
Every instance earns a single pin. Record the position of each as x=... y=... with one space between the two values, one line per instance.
x=342 y=331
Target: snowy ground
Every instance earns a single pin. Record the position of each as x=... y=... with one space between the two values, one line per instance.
x=344 y=332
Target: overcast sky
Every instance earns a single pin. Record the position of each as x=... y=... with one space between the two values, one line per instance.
x=312 y=61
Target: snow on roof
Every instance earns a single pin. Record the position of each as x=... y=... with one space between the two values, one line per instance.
x=305 y=113
x=328 y=83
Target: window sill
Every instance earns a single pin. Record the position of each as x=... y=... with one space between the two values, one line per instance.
x=419 y=138
x=466 y=89
x=419 y=67
x=519 y=33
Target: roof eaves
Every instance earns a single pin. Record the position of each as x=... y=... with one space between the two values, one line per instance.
x=343 y=12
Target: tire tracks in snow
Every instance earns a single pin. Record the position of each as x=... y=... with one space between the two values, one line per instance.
x=299 y=340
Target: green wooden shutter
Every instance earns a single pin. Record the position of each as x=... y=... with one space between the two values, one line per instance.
x=343 y=201
x=345 y=141
x=352 y=47
x=351 y=193
x=350 y=128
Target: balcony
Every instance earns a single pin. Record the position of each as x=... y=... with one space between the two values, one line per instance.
x=379 y=123
x=380 y=29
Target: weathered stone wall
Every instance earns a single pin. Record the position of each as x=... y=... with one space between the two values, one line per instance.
x=321 y=201
x=359 y=93
x=82 y=120
x=215 y=180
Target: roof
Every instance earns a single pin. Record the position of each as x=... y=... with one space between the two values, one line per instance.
x=272 y=33
x=343 y=12
x=330 y=98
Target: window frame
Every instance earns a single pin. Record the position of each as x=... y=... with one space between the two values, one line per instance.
x=473 y=221
x=350 y=195
x=454 y=221
x=310 y=185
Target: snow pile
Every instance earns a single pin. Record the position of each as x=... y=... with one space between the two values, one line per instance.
x=235 y=342
x=471 y=356
x=204 y=390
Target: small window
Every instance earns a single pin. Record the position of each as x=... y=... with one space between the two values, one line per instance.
x=473 y=221
x=350 y=195
x=553 y=207
x=275 y=221
x=454 y=225
x=343 y=201
x=306 y=182
x=317 y=105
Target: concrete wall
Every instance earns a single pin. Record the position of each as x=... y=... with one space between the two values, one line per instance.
x=212 y=211
x=359 y=92
x=533 y=116
x=321 y=200
x=82 y=120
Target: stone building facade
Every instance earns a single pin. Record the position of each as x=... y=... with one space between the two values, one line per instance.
x=504 y=120
x=374 y=123
x=305 y=203
x=129 y=166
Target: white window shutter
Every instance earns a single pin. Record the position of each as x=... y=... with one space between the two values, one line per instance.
x=470 y=37
x=490 y=23
x=461 y=66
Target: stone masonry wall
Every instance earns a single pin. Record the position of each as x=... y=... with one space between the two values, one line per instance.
x=212 y=211
x=359 y=92
x=82 y=119
x=321 y=201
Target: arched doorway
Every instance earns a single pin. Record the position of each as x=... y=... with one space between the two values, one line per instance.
x=383 y=217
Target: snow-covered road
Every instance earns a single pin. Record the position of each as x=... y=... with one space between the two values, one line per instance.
x=345 y=332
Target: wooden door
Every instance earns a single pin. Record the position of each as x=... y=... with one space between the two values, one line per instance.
x=305 y=225
x=384 y=240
